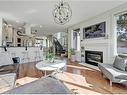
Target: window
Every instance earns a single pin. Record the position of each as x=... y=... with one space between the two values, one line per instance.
x=121 y=21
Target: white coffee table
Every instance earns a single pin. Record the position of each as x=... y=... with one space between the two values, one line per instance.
x=48 y=66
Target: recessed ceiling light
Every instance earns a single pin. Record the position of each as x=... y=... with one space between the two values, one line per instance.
x=17 y=21
x=31 y=11
x=32 y=25
x=19 y=28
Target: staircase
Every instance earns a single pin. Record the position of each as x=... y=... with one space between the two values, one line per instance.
x=58 y=47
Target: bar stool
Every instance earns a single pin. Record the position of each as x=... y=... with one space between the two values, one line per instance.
x=37 y=56
x=41 y=55
x=25 y=57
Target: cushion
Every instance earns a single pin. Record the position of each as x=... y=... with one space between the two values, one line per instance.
x=122 y=77
x=122 y=55
x=120 y=63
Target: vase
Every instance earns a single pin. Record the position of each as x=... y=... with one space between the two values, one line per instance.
x=73 y=58
x=51 y=60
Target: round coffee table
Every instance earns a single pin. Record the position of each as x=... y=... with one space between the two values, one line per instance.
x=48 y=66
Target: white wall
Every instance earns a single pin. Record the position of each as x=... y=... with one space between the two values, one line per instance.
x=107 y=44
x=31 y=53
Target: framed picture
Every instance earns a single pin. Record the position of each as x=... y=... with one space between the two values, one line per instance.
x=95 y=31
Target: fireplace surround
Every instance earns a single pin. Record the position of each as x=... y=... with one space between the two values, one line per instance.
x=93 y=57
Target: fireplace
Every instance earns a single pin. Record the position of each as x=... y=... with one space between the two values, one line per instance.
x=93 y=57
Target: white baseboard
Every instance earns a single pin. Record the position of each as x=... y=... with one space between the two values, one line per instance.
x=90 y=66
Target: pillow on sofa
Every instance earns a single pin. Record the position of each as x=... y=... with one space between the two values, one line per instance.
x=120 y=63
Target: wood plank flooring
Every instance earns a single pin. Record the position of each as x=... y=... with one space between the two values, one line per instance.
x=77 y=78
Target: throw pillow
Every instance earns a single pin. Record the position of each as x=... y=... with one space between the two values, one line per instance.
x=120 y=63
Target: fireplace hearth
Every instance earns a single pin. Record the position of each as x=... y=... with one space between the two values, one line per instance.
x=93 y=57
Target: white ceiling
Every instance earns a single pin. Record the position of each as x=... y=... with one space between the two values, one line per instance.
x=39 y=12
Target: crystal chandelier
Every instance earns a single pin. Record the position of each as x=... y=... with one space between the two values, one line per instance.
x=62 y=13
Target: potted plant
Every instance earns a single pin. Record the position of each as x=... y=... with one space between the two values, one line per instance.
x=51 y=57
x=72 y=54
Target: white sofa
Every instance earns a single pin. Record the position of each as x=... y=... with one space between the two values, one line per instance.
x=115 y=72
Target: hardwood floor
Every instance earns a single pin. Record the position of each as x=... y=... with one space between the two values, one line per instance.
x=76 y=77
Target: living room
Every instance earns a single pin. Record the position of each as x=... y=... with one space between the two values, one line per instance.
x=89 y=47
